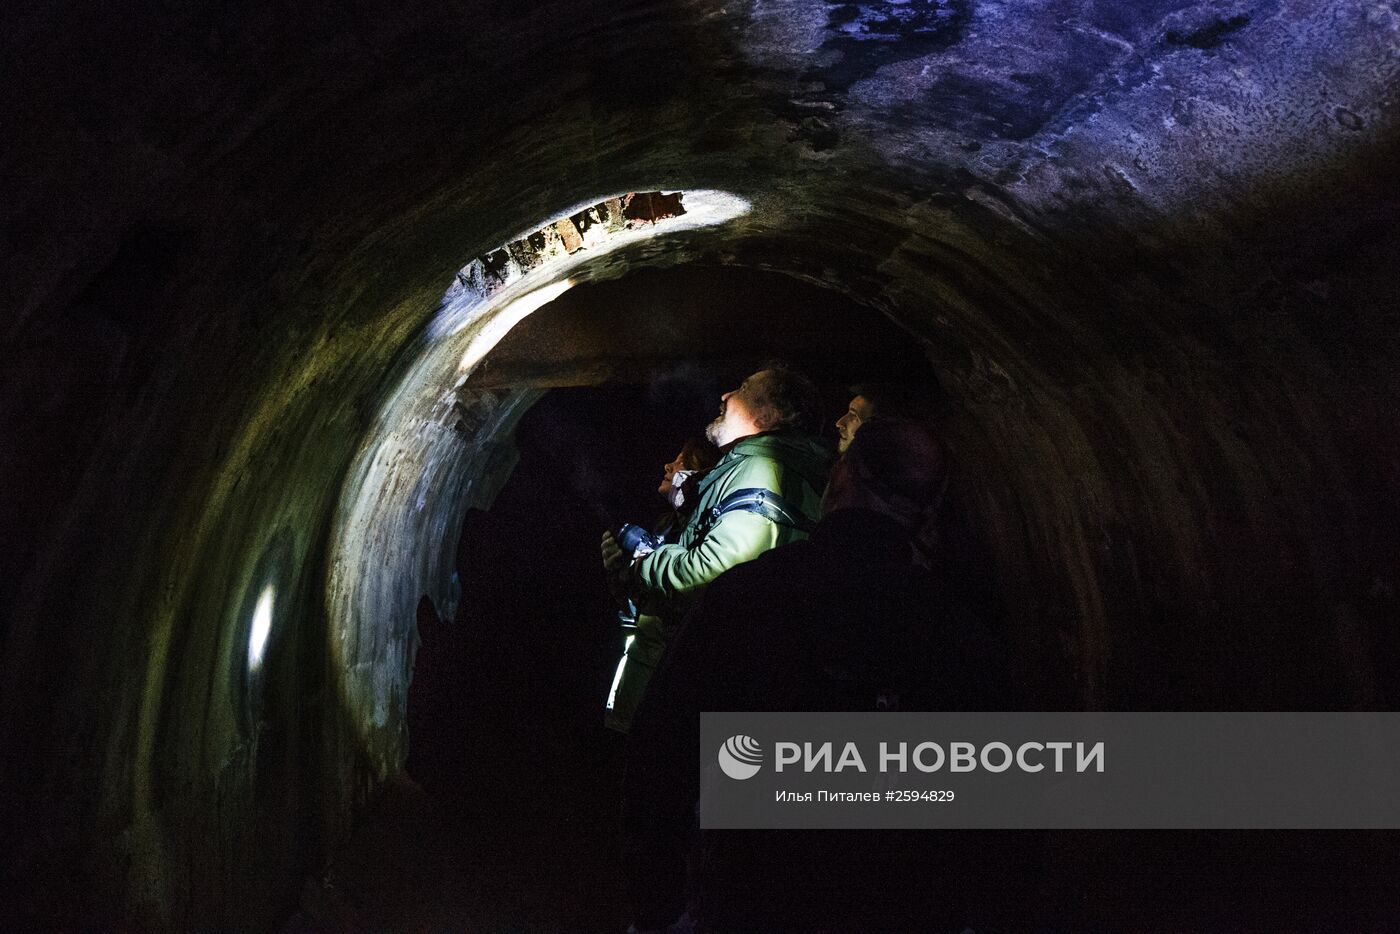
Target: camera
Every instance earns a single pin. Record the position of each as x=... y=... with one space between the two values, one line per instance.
x=637 y=541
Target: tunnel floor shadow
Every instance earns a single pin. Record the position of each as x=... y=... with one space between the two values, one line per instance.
x=415 y=864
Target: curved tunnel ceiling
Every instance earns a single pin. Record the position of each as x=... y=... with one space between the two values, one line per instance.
x=1147 y=246
x=639 y=328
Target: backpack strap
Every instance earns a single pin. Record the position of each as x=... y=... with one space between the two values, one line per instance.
x=760 y=502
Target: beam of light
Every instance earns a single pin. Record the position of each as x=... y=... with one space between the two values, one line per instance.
x=507 y=317
x=261 y=628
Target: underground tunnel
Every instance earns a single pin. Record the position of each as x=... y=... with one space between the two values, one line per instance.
x=323 y=321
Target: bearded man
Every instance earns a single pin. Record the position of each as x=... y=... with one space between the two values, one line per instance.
x=764 y=492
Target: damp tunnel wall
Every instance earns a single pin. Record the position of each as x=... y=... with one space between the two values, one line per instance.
x=1147 y=247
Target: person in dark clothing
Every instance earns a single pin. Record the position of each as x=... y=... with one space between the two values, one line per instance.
x=885 y=400
x=851 y=619
x=966 y=559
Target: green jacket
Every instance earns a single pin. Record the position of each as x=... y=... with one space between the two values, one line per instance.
x=665 y=581
x=791 y=465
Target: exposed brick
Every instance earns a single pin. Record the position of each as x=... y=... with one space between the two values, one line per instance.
x=525 y=252
x=568 y=233
x=611 y=213
x=551 y=243
x=648 y=207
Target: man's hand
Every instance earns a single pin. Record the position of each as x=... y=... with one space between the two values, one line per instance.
x=614 y=560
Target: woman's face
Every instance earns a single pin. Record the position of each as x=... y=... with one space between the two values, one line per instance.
x=668 y=472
